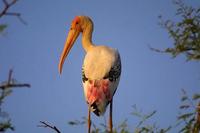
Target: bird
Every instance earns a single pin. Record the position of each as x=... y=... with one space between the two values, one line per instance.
x=101 y=69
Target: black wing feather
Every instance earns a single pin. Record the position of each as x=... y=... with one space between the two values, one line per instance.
x=115 y=71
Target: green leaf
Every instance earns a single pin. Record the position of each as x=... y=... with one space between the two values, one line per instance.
x=2 y=27
x=196 y=96
x=167 y=129
x=183 y=129
x=72 y=123
x=76 y=122
x=6 y=125
x=150 y=115
x=184 y=106
x=185 y=116
x=188 y=21
x=184 y=98
x=184 y=31
x=138 y=114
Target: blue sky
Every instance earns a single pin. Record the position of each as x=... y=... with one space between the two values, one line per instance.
x=152 y=81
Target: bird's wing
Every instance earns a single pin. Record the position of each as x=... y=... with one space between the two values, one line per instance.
x=114 y=74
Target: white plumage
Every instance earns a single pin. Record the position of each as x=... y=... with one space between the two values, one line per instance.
x=98 y=62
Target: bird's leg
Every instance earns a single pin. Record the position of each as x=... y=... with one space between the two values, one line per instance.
x=89 y=121
x=110 y=118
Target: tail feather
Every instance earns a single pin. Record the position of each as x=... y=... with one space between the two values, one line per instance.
x=99 y=108
x=95 y=109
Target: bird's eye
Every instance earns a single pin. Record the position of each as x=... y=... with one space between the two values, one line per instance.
x=77 y=22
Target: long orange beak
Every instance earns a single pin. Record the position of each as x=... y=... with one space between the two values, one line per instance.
x=71 y=38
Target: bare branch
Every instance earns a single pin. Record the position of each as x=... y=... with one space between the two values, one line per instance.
x=5 y=2
x=156 y=50
x=5 y=11
x=3 y=87
x=12 y=3
x=12 y=14
x=6 y=7
x=9 y=83
x=46 y=125
x=10 y=75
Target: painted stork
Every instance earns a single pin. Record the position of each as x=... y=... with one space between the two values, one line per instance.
x=100 y=71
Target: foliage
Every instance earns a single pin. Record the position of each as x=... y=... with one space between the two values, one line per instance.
x=141 y=127
x=6 y=125
x=5 y=122
x=121 y=128
x=2 y=27
x=185 y=32
x=189 y=117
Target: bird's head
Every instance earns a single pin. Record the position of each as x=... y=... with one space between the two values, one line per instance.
x=79 y=24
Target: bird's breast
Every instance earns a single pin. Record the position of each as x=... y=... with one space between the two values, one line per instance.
x=98 y=62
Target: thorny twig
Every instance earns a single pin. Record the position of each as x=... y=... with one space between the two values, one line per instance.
x=46 y=125
x=5 y=11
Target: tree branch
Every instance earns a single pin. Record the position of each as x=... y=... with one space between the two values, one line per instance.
x=5 y=11
x=10 y=83
x=6 y=7
x=13 y=14
x=46 y=125
x=3 y=87
x=5 y=2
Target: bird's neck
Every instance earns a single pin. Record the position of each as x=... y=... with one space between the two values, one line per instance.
x=87 y=38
